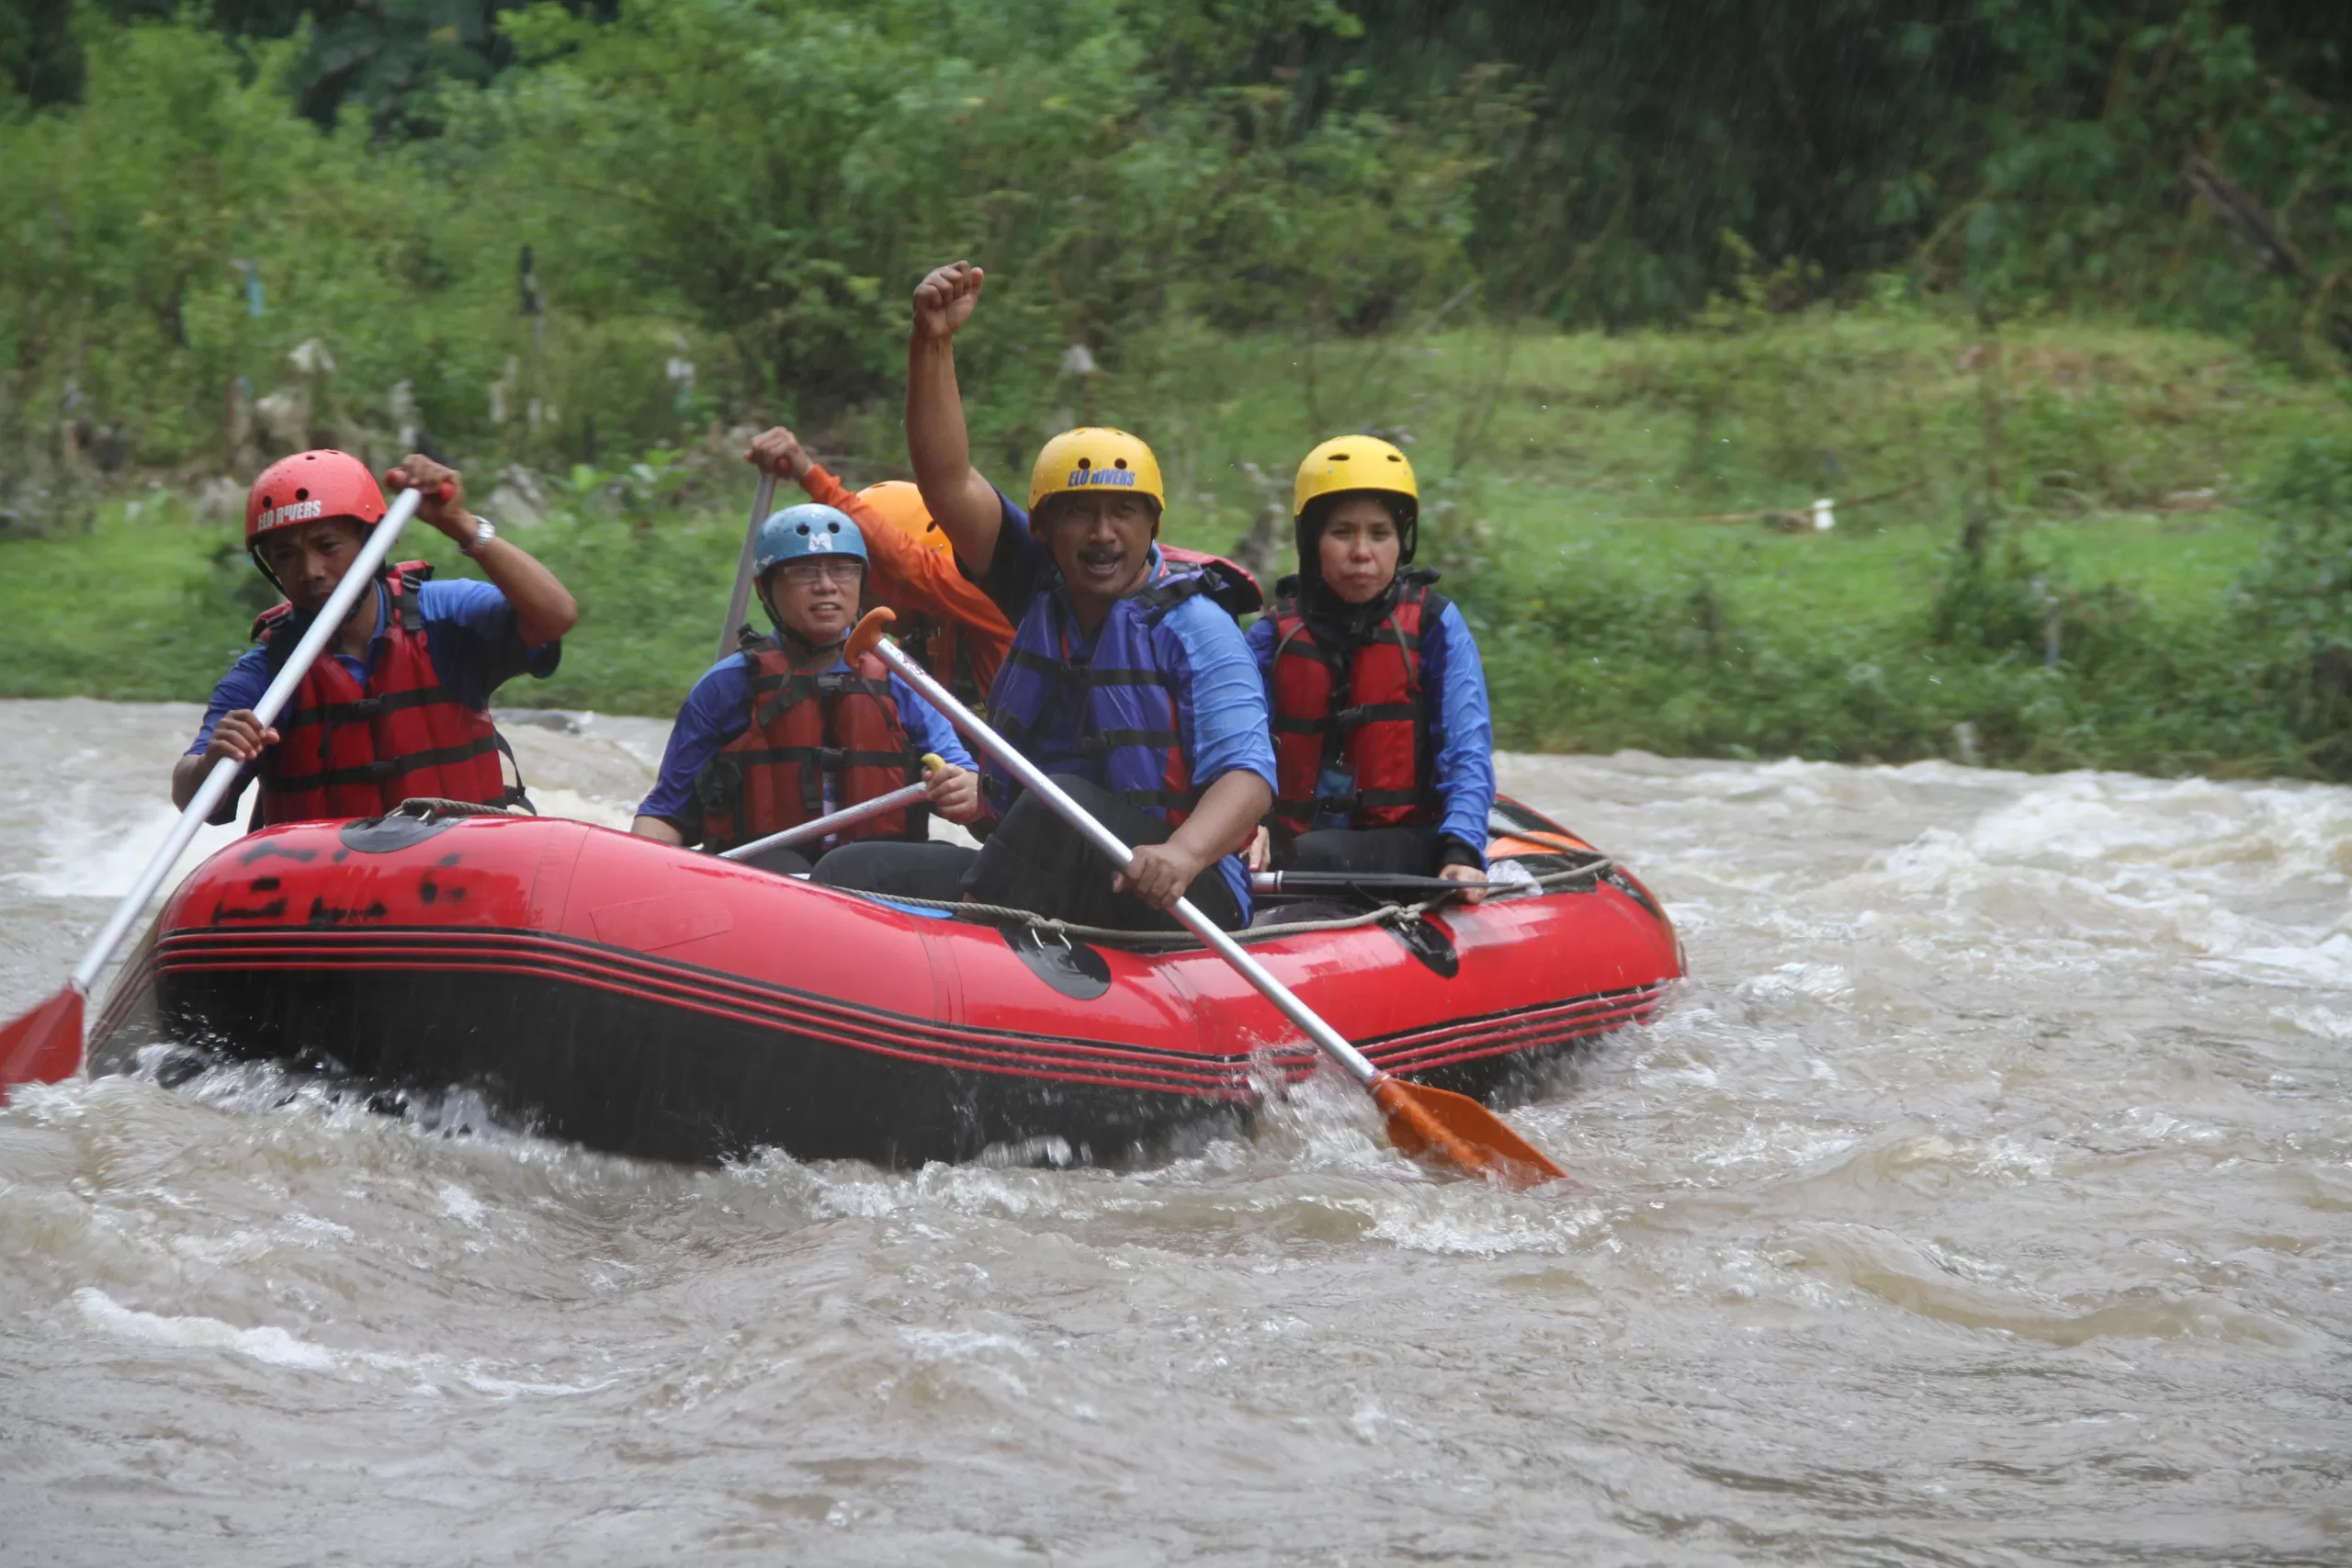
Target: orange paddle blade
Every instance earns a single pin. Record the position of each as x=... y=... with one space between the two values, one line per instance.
x=43 y=1045
x=1443 y=1127
x=866 y=633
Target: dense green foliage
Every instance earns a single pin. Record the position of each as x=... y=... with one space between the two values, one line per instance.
x=2049 y=272
x=550 y=204
x=2109 y=619
x=2029 y=154
x=749 y=189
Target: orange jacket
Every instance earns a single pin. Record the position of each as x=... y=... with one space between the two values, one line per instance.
x=914 y=581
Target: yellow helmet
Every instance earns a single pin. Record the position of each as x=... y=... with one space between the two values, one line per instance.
x=899 y=505
x=1091 y=457
x=1354 y=462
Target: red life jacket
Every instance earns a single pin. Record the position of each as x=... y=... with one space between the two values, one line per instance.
x=798 y=730
x=348 y=748
x=1370 y=716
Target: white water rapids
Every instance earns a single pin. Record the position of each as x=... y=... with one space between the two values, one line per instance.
x=1985 y=1198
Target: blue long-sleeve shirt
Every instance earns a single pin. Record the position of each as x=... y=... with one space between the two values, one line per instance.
x=1462 y=729
x=718 y=709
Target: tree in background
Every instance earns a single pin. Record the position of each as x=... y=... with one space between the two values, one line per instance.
x=745 y=186
x=39 y=62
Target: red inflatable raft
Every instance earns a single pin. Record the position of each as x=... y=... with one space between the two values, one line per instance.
x=653 y=1001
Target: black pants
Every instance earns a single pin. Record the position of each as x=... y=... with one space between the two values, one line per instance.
x=830 y=869
x=1037 y=862
x=897 y=868
x=1392 y=852
x=784 y=862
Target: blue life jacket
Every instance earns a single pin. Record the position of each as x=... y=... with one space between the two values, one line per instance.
x=1113 y=716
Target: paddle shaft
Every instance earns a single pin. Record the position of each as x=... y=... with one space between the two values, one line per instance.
x=819 y=827
x=1327 y=1039
x=1314 y=880
x=739 y=603
x=325 y=627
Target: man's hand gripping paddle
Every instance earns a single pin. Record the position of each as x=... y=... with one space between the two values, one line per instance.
x=45 y=1044
x=1424 y=1123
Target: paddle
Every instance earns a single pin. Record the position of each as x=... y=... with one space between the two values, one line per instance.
x=739 y=603
x=45 y=1044
x=817 y=827
x=1316 y=881
x=1423 y=1123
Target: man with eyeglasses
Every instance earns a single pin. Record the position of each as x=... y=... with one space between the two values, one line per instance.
x=787 y=731
x=947 y=622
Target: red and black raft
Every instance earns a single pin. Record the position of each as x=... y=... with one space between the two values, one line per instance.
x=652 y=1001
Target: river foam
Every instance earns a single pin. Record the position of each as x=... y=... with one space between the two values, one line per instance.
x=1984 y=1198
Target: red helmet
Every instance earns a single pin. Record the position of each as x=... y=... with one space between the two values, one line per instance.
x=309 y=485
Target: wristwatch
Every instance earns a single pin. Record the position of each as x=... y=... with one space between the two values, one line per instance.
x=483 y=535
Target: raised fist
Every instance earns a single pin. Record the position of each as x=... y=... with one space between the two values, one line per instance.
x=943 y=299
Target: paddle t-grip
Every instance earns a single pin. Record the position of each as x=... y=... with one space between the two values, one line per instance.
x=867 y=633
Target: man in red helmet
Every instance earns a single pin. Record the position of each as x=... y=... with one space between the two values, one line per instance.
x=397 y=706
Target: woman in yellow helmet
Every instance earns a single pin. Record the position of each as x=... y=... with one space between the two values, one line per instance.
x=1384 y=746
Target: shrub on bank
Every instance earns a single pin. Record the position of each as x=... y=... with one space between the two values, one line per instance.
x=2033 y=653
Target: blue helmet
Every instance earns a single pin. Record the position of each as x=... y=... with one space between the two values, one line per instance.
x=804 y=530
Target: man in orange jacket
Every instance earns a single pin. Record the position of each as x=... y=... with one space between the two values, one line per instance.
x=947 y=623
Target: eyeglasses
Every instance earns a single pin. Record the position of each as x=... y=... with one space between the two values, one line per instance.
x=847 y=569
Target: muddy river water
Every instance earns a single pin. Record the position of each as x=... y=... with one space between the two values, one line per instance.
x=1984 y=1197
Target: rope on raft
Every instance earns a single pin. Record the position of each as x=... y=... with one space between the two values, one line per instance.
x=1592 y=870
x=428 y=805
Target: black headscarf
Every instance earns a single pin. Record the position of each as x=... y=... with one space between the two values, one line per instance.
x=1337 y=625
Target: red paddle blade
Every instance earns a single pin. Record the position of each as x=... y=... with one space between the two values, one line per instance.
x=1445 y=1128
x=43 y=1045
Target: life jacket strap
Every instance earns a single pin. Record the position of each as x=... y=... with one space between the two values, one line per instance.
x=384 y=768
x=1102 y=742
x=832 y=758
x=368 y=706
x=1376 y=712
x=1168 y=592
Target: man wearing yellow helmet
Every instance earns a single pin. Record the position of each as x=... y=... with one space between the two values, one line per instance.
x=1129 y=679
x=945 y=622
x=1384 y=746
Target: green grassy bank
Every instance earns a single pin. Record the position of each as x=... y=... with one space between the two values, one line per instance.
x=2096 y=546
